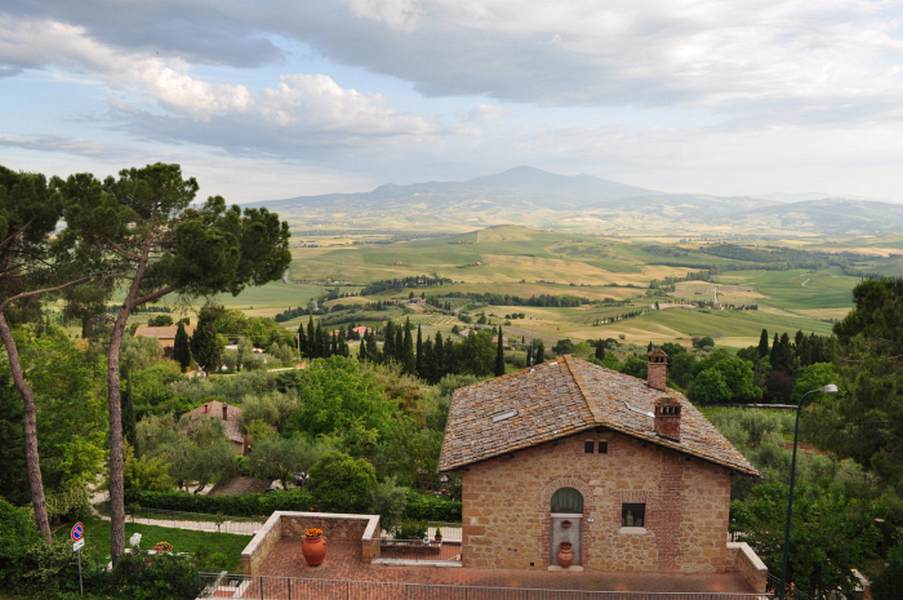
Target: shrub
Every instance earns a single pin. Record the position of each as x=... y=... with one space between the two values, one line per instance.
x=244 y=505
x=142 y=577
x=342 y=482
x=411 y=530
x=432 y=508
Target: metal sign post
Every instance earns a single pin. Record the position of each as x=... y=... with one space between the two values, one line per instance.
x=77 y=534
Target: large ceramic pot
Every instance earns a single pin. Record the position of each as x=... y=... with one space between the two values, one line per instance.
x=565 y=555
x=313 y=547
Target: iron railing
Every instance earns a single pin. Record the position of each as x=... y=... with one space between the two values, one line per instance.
x=224 y=585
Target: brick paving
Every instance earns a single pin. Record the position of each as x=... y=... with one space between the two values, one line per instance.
x=343 y=563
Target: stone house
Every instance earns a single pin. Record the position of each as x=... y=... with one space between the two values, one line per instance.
x=627 y=471
x=228 y=415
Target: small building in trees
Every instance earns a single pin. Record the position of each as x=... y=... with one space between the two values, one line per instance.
x=165 y=334
x=229 y=416
x=625 y=473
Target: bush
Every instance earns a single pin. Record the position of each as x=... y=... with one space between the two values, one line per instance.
x=432 y=508
x=411 y=530
x=142 y=577
x=244 y=505
x=342 y=482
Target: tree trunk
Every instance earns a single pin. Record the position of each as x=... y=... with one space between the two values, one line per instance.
x=32 y=458
x=114 y=405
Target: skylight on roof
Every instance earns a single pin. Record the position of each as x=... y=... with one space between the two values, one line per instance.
x=504 y=415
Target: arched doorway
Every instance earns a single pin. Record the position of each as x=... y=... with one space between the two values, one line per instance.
x=566 y=512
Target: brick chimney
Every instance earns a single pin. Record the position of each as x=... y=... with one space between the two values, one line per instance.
x=206 y=408
x=667 y=418
x=657 y=370
x=225 y=411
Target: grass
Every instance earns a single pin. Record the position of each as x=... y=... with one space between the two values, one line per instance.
x=97 y=540
x=798 y=288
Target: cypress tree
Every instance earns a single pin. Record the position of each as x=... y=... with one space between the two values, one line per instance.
x=420 y=359
x=500 y=355
x=302 y=341
x=181 y=350
x=600 y=350
x=539 y=355
x=205 y=346
x=409 y=362
x=399 y=345
x=362 y=349
x=311 y=338
x=438 y=367
x=530 y=354
x=763 y=343
x=372 y=348
x=389 y=343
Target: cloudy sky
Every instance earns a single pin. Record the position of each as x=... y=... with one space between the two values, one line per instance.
x=271 y=99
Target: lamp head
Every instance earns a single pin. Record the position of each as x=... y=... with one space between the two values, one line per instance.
x=829 y=389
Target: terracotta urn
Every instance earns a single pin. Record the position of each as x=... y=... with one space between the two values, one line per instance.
x=565 y=555
x=313 y=547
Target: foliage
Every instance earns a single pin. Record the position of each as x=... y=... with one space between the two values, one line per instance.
x=831 y=534
x=866 y=423
x=149 y=387
x=273 y=408
x=389 y=502
x=342 y=482
x=17 y=531
x=146 y=473
x=139 y=353
x=145 y=577
x=206 y=345
x=71 y=425
x=181 y=350
x=430 y=507
x=274 y=457
x=411 y=530
x=243 y=505
x=887 y=585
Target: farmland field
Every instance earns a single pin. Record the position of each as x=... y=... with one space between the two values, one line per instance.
x=639 y=290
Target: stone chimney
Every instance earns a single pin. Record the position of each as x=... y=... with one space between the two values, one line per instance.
x=657 y=371
x=225 y=411
x=667 y=418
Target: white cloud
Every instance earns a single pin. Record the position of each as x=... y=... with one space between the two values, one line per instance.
x=38 y=43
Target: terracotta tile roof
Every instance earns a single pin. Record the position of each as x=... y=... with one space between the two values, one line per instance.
x=214 y=410
x=558 y=398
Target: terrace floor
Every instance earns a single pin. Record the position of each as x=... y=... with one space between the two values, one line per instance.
x=343 y=562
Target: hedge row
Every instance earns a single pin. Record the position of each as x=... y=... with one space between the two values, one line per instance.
x=426 y=507
x=244 y=505
x=421 y=507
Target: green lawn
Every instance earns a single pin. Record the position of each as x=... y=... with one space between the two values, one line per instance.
x=97 y=540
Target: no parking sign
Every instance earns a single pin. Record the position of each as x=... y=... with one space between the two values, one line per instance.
x=77 y=534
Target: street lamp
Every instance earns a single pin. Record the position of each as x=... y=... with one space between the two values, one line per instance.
x=826 y=389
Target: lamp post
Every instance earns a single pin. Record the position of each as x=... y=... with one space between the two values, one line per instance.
x=827 y=389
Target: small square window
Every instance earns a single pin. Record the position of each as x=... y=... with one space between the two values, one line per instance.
x=633 y=515
x=588 y=447
x=603 y=447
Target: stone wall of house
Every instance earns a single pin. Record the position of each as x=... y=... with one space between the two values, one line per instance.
x=507 y=501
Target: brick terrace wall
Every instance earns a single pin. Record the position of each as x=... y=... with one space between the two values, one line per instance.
x=507 y=501
x=749 y=565
x=338 y=527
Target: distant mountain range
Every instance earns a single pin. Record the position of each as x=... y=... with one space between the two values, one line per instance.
x=530 y=196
